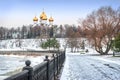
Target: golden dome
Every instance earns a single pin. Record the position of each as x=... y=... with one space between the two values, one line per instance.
x=35 y=19
x=43 y=16
x=51 y=19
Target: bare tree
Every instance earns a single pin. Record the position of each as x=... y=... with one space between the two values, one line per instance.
x=73 y=39
x=100 y=27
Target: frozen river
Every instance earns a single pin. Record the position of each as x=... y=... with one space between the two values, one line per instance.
x=8 y=63
x=86 y=67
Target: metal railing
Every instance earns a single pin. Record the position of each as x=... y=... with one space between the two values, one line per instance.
x=47 y=70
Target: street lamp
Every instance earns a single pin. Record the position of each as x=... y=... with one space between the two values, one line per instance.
x=113 y=39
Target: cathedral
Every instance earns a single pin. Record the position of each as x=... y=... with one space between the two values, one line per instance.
x=43 y=19
x=45 y=27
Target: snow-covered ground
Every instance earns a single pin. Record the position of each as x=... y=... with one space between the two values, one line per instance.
x=25 y=44
x=90 y=66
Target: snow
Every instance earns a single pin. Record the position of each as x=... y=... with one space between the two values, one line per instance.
x=25 y=44
x=90 y=66
x=3 y=77
x=14 y=62
x=11 y=63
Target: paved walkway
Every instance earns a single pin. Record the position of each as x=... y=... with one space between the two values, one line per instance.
x=86 y=67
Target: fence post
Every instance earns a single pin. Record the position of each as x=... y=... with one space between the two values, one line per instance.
x=62 y=58
x=59 y=60
x=57 y=63
x=29 y=68
x=59 y=56
x=46 y=59
x=64 y=55
x=113 y=53
x=54 y=64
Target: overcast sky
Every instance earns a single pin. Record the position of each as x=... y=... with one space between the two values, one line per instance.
x=14 y=13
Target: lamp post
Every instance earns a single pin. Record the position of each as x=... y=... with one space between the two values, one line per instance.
x=113 y=39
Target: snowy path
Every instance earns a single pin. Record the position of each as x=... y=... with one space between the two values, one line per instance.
x=84 y=67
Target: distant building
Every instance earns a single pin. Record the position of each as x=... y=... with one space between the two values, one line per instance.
x=42 y=23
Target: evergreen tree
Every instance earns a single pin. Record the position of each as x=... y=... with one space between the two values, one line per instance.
x=51 y=43
x=116 y=43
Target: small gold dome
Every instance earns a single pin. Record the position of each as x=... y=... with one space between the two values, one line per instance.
x=43 y=16
x=35 y=19
x=51 y=19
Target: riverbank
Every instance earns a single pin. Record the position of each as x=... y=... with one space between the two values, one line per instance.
x=12 y=64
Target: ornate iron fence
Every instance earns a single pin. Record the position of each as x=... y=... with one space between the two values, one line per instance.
x=47 y=70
